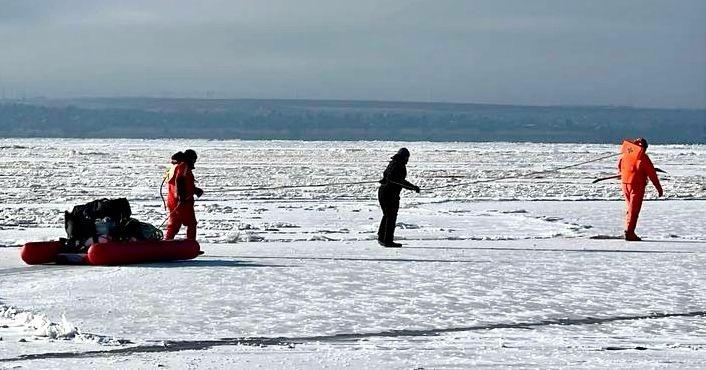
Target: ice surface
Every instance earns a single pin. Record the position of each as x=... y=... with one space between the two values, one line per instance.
x=523 y=273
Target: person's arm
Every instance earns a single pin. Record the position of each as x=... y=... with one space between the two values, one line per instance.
x=396 y=177
x=651 y=173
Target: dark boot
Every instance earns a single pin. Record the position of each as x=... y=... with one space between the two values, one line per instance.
x=632 y=237
x=391 y=245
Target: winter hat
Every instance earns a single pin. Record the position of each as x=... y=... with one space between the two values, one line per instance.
x=403 y=153
x=190 y=155
x=641 y=142
x=177 y=157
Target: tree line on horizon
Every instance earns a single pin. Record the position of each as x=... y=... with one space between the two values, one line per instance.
x=321 y=120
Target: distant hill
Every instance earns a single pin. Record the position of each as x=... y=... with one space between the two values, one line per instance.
x=343 y=120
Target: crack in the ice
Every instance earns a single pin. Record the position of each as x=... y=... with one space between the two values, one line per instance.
x=193 y=345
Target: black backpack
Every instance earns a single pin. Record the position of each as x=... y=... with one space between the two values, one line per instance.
x=80 y=222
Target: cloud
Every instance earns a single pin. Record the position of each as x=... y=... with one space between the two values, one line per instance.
x=629 y=52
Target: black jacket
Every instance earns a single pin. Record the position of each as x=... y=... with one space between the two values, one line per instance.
x=393 y=179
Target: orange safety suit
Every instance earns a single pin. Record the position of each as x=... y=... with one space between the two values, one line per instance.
x=180 y=202
x=635 y=168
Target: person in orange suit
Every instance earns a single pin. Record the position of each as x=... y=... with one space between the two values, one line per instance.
x=635 y=169
x=180 y=200
x=168 y=177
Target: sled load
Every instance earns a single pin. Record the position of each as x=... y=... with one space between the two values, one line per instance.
x=102 y=232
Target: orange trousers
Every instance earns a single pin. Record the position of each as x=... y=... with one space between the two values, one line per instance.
x=181 y=215
x=633 y=200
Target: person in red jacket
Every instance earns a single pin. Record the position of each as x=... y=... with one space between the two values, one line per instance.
x=635 y=168
x=180 y=200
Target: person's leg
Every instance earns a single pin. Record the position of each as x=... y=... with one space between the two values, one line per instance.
x=189 y=220
x=636 y=195
x=383 y=221
x=391 y=220
x=626 y=195
x=191 y=232
x=381 y=228
x=173 y=225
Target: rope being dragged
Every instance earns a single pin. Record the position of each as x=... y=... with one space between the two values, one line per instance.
x=427 y=189
x=298 y=186
x=523 y=175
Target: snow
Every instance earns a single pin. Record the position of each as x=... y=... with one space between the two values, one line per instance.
x=524 y=273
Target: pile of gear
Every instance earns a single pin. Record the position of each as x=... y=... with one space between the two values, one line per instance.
x=101 y=221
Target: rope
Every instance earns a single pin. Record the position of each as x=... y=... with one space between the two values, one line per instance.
x=426 y=189
x=170 y=215
x=523 y=175
x=161 y=186
x=299 y=186
x=166 y=219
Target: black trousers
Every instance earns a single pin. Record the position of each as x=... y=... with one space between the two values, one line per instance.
x=390 y=204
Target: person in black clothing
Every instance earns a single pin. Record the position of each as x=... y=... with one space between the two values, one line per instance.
x=389 y=196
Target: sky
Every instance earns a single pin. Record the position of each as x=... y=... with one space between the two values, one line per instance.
x=644 y=53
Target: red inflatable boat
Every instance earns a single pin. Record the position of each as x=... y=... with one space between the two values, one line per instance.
x=113 y=252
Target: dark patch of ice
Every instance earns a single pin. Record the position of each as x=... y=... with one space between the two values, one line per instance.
x=605 y=237
x=14 y=147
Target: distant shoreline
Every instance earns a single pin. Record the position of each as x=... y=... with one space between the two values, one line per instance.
x=339 y=120
x=616 y=142
x=109 y=100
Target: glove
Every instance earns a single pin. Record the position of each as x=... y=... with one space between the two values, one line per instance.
x=198 y=192
x=416 y=189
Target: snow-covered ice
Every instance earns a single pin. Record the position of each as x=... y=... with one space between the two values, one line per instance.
x=523 y=273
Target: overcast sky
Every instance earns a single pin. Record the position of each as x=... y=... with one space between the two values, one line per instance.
x=649 y=53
